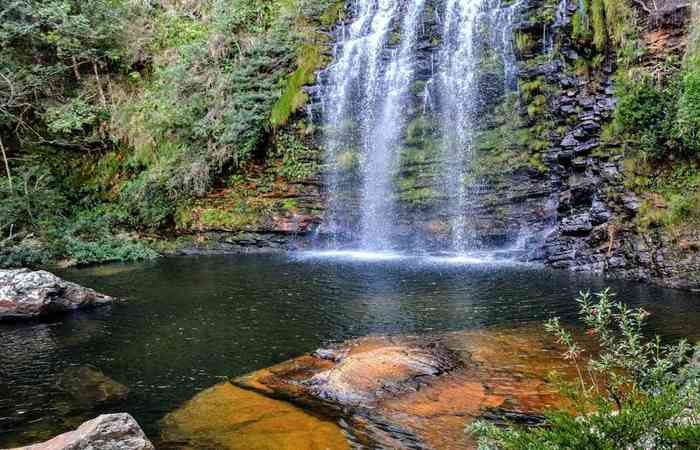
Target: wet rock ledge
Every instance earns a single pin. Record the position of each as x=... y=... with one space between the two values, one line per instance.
x=27 y=294
x=403 y=392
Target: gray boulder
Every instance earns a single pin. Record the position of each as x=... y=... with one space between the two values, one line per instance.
x=26 y=294
x=106 y=432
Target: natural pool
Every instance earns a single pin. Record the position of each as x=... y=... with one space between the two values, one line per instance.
x=189 y=323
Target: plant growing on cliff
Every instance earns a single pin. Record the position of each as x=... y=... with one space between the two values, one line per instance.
x=633 y=393
x=645 y=114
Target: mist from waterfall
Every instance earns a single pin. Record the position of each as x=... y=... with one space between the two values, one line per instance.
x=369 y=98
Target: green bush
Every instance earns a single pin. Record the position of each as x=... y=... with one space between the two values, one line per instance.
x=135 y=109
x=661 y=118
x=106 y=250
x=216 y=96
x=632 y=393
x=39 y=222
x=687 y=126
x=24 y=254
x=645 y=113
x=29 y=199
x=92 y=236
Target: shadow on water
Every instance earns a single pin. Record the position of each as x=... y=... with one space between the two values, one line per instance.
x=189 y=323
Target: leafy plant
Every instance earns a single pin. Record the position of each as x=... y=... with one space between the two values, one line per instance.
x=29 y=200
x=645 y=112
x=687 y=125
x=632 y=392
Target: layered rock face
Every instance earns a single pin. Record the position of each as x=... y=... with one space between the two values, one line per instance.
x=106 y=432
x=592 y=210
x=26 y=294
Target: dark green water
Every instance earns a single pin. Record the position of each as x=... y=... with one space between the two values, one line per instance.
x=189 y=323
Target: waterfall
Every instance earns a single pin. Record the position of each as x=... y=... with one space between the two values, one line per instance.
x=381 y=142
x=548 y=31
x=370 y=94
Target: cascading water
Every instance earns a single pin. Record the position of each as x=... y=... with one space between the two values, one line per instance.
x=381 y=142
x=473 y=31
x=407 y=79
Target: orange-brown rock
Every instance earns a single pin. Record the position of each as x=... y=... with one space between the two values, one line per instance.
x=420 y=392
x=226 y=417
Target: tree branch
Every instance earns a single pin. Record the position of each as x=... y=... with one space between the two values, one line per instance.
x=7 y=164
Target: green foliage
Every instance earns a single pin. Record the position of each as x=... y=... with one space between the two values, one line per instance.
x=35 y=202
x=610 y=27
x=645 y=112
x=605 y=430
x=145 y=107
x=298 y=161
x=30 y=200
x=510 y=143
x=49 y=50
x=675 y=199
x=661 y=117
x=635 y=393
x=686 y=128
x=210 y=106
x=598 y=24
x=24 y=254
x=621 y=25
x=581 y=22
x=91 y=236
x=77 y=116
x=524 y=42
x=293 y=96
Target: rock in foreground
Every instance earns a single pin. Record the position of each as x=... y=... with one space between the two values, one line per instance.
x=27 y=294
x=420 y=392
x=226 y=417
x=106 y=432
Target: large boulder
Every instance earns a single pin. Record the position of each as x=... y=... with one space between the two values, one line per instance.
x=106 y=432
x=26 y=294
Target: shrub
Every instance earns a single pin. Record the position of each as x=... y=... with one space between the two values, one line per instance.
x=645 y=113
x=30 y=199
x=687 y=126
x=24 y=254
x=92 y=236
x=635 y=393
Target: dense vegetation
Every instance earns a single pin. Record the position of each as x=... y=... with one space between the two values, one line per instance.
x=656 y=63
x=630 y=392
x=114 y=114
x=118 y=118
x=658 y=118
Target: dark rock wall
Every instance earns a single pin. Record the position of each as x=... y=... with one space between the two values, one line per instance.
x=591 y=213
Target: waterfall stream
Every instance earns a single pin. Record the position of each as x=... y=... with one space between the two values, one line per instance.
x=400 y=104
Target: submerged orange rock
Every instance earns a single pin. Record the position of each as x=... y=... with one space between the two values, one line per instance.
x=227 y=417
